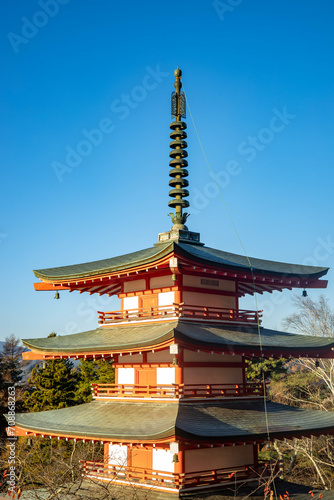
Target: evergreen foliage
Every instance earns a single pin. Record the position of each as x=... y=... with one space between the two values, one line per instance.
x=87 y=374
x=11 y=360
x=54 y=386
x=90 y=371
x=267 y=369
x=106 y=372
x=11 y=374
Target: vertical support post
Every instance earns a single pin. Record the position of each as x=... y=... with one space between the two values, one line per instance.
x=255 y=455
x=179 y=467
x=178 y=293
x=244 y=381
x=115 y=356
x=179 y=367
x=106 y=453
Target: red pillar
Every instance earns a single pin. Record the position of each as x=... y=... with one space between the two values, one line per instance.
x=179 y=466
x=179 y=367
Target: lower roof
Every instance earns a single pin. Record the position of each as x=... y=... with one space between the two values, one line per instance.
x=220 y=420
x=247 y=340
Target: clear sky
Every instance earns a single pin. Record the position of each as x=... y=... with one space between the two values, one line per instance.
x=259 y=81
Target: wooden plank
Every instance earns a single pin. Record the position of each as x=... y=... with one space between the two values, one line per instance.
x=49 y=287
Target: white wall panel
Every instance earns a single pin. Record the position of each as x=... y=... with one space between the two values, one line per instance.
x=165 y=376
x=126 y=375
x=166 y=298
x=162 y=460
x=117 y=454
x=130 y=303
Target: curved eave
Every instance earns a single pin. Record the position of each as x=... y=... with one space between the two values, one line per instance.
x=104 y=267
x=226 y=260
x=103 y=421
x=205 y=336
x=228 y=420
x=105 y=340
x=205 y=256
x=249 y=419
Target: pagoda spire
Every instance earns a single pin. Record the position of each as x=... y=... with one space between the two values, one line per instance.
x=178 y=145
x=178 y=172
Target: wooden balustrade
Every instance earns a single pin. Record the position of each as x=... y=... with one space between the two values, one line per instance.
x=100 y=470
x=130 y=474
x=181 y=311
x=175 y=391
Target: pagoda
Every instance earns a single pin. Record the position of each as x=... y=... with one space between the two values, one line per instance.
x=181 y=416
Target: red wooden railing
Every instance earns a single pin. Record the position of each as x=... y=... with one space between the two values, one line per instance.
x=130 y=474
x=181 y=311
x=100 y=470
x=177 y=391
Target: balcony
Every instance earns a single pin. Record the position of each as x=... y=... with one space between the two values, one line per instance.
x=173 y=481
x=173 y=311
x=182 y=391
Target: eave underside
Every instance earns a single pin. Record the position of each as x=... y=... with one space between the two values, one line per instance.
x=223 y=421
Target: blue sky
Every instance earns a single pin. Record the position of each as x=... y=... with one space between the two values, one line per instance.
x=259 y=81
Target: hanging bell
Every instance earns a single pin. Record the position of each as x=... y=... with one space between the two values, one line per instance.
x=175 y=458
x=304 y=293
x=56 y=295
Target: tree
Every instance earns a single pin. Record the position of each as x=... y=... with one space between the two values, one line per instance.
x=106 y=372
x=52 y=385
x=90 y=371
x=309 y=383
x=265 y=369
x=315 y=317
x=87 y=374
x=11 y=375
x=11 y=360
x=49 y=468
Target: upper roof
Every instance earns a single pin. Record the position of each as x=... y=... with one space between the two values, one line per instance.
x=104 y=266
x=229 y=339
x=224 y=420
x=201 y=254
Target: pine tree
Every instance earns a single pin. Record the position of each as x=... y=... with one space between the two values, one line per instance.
x=267 y=369
x=106 y=372
x=90 y=371
x=53 y=385
x=11 y=374
x=11 y=360
x=87 y=374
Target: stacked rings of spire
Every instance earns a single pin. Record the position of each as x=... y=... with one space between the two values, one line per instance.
x=178 y=173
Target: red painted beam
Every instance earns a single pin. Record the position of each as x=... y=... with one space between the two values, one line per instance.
x=42 y=286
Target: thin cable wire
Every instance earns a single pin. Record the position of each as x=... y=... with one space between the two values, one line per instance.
x=248 y=260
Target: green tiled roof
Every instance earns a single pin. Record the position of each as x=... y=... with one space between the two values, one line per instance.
x=246 y=418
x=105 y=339
x=231 y=339
x=203 y=254
x=227 y=259
x=104 y=266
x=231 y=419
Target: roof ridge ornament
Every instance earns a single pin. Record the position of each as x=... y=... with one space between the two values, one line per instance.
x=178 y=172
